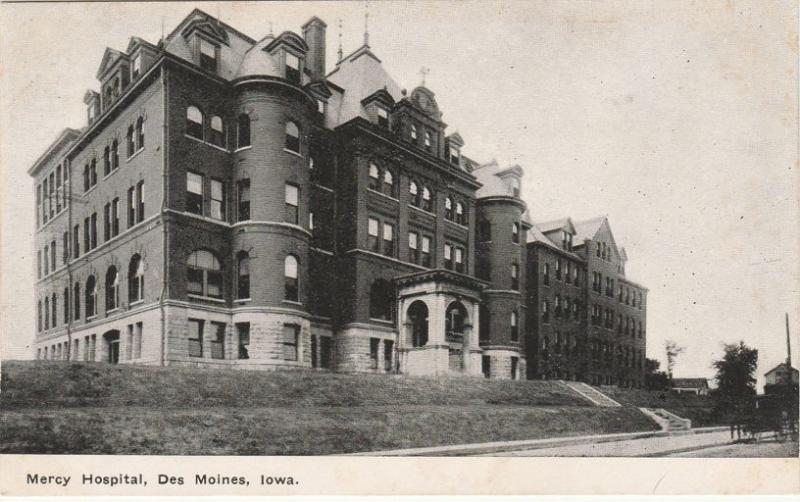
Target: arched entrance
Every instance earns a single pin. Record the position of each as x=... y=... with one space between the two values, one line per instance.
x=111 y=339
x=455 y=320
x=418 y=323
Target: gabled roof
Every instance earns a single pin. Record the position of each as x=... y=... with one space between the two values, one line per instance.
x=290 y=39
x=136 y=41
x=690 y=383
x=320 y=87
x=780 y=367
x=381 y=95
x=587 y=229
x=90 y=95
x=110 y=56
x=359 y=75
x=535 y=235
x=198 y=15
x=561 y=223
x=64 y=139
x=490 y=175
x=456 y=139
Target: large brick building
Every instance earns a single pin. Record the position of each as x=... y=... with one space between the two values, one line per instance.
x=232 y=203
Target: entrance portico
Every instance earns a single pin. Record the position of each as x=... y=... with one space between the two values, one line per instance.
x=438 y=324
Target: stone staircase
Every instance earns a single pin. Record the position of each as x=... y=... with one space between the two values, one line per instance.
x=591 y=394
x=668 y=421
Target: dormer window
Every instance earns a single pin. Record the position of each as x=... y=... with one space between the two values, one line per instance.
x=208 y=56
x=513 y=185
x=320 y=107
x=383 y=118
x=292 y=68
x=455 y=155
x=91 y=113
x=566 y=240
x=136 y=67
x=428 y=141
x=413 y=133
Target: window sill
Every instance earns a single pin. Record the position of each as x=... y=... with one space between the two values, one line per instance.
x=242 y=149
x=112 y=311
x=292 y=302
x=292 y=152
x=135 y=303
x=137 y=152
x=91 y=318
x=422 y=210
x=212 y=145
x=86 y=192
x=383 y=194
x=206 y=298
x=242 y=300
x=382 y=321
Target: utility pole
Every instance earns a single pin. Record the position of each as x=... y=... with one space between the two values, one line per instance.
x=788 y=345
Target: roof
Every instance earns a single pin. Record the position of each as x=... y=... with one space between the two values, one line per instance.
x=549 y=226
x=257 y=61
x=488 y=175
x=360 y=74
x=535 y=235
x=781 y=367
x=690 y=383
x=587 y=229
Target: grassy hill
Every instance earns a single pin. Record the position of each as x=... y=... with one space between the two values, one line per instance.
x=65 y=407
x=699 y=409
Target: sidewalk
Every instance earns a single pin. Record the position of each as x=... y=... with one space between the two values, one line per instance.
x=624 y=444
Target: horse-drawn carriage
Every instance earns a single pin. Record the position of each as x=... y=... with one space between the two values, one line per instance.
x=772 y=417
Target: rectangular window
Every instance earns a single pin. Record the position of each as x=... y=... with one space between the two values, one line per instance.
x=195 y=338
x=76 y=240
x=383 y=118
x=291 y=334
x=484 y=231
x=129 y=343
x=448 y=257
x=131 y=207
x=373 y=242
x=140 y=202
x=243 y=332
x=217 y=200
x=94 y=230
x=38 y=205
x=292 y=202
x=208 y=56
x=50 y=196
x=115 y=217
x=39 y=264
x=413 y=251
x=459 y=259
x=65 y=248
x=426 y=251
x=314 y=350
x=218 y=340
x=388 y=239
x=486 y=366
x=326 y=346
x=514 y=367
x=137 y=340
x=106 y=221
x=374 y=344
x=514 y=276
x=53 y=256
x=243 y=195
x=292 y=68
x=87 y=240
x=136 y=67
x=194 y=193
x=388 y=353
x=46 y=261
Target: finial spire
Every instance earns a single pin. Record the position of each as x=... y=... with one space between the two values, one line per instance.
x=366 y=23
x=340 y=39
x=424 y=72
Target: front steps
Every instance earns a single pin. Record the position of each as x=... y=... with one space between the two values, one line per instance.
x=669 y=422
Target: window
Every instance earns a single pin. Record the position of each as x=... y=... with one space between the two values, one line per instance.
x=383 y=118
x=291 y=286
x=137 y=340
x=558 y=306
x=461 y=218
x=292 y=137
x=448 y=256
x=115 y=217
x=455 y=155
x=459 y=255
x=194 y=193
x=243 y=131
x=515 y=232
x=91 y=297
x=486 y=366
x=514 y=276
x=448 y=208
x=39 y=316
x=46 y=313
x=455 y=317
x=427 y=203
x=136 y=67
x=374 y=345
x=130 y=141
x=243 y=196
x=381 y=298
x=204 y=274
x=46 y=260
x=292 y=68
x=243 y=332
x=53 y=256
x=514 y=327
x=388 y=183
x=131 y=206
x=514 y=367
x=413 y=247
x=566 y=240
x=292 y=196
x=112 y=289
x=106 y=161
x=38 y=205
x=413 y=191
x=374 y=177
x=320 y=107
x=373 y=243
x=558 y=269
x=243 y=276
x=208 y=56
x=76 y=299
x=388 y=239
x=92 y=178
x=195 y=337
x=135 y=279
x=514 y=185
x=194 y=122
x=484 y=231
x=426 y=251
x=107 y=221
x=114 y=154
x=217 y=132
x=414 y=133
x=217 y=200
x=388 y=353
x=291 y=334
x=139 y=133
x=39 y=264
x=428 y=143
x=140 y=202
x=66 y=305
x=217 y=340
x=93 y=233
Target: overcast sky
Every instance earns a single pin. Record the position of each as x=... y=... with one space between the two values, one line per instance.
x=678 y=120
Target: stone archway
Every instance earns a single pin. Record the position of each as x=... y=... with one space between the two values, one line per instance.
x=417 y=324
x=111 y=339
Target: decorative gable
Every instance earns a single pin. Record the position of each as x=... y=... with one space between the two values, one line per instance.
x=424 y=100
x=110 y=57
x=208 y=27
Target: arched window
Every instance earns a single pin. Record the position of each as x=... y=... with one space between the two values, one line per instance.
x=292 y=137
x=461 y=218
x=140 y=133
x=217 y=131
x=418 y=319
x=135 y=279
x=106 y=161
x=130 y=141
x=448 y=208
x=388 y=183
x=46 y=313
x=381 y=298
x=203 y=274
x=374 y=177
x=243 y=131
x=112 y=289
x=194 y=122
x=291 y=285
x=90 y=300
x=76 y=299
x=243 y=275
x=413 y=190
x=54 y=306
x=455 y=317
x=114 y=154
x=427 y=200
x=514 y=326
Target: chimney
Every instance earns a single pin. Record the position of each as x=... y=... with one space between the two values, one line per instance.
x=314 y=35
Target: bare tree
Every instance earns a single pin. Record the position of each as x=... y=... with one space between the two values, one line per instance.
x=673 y=350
